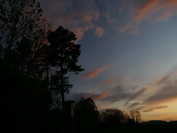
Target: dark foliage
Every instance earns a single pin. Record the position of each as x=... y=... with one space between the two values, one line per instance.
x=26 y=61
x=62 y=55
x=86 y=116
x=115 y=118
x=22 y=35
x=24 y=101
x=112 y=118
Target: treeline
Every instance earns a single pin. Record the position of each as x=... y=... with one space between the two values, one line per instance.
x=115 y=117
x=87 y=118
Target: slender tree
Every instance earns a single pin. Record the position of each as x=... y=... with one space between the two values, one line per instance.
x=63 y=55
x=135 y=115
x=138 y=117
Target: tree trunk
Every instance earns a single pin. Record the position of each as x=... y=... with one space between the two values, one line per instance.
x=62 y=84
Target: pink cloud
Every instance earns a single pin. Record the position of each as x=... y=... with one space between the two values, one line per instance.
x=79 y=31
x=160 y=9
x=78 y=16
x=99 y=31
x=101 y=96
x=151 y=10
x=145 y=9
x=94 y=73
x=107 y=81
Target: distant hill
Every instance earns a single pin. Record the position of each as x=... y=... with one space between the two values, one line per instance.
x=154 y=122
x=173 y=122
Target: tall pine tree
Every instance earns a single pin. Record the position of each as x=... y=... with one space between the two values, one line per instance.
x=63 y=55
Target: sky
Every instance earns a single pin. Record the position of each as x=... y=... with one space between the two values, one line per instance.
x=128 y=51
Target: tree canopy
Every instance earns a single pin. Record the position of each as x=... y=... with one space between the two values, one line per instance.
x=115 y=117
x=86 y=115
x=23 y=31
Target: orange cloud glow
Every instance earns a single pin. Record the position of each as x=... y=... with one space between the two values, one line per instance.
x=161 y=9
x=94 y=73
x=101 y=96
x=153 y=10
x=145 y=9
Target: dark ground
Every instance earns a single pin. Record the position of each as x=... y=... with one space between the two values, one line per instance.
x=143 y=128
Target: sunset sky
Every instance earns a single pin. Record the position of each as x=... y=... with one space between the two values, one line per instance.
x=128 y=51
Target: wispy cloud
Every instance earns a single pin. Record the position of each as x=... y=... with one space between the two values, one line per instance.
x=78 y=15
x=95 y=96
x=160 y=9
x=148 y=10
x=131 y=26
x=101 y=96
x=105 y=82
x=99 y=31
x=79 y=31
x=167 y=91
x=134 y=105
x=121 y=93
x=94 y=73
x=162 y=80
x=154 y=108
x=145 y=9
x=136 y=94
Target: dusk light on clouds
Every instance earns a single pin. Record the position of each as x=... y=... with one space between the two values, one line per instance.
x=94 y=73
x=138 y=38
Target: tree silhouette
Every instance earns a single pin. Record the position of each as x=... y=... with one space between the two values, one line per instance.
x=86 y=115
x=112 y=118
x=25 y=99
x=135 y=115
x=63 y=55
x=56 y=88
x=22 y=33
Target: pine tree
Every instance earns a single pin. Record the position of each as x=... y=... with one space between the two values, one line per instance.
x=63 y=55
